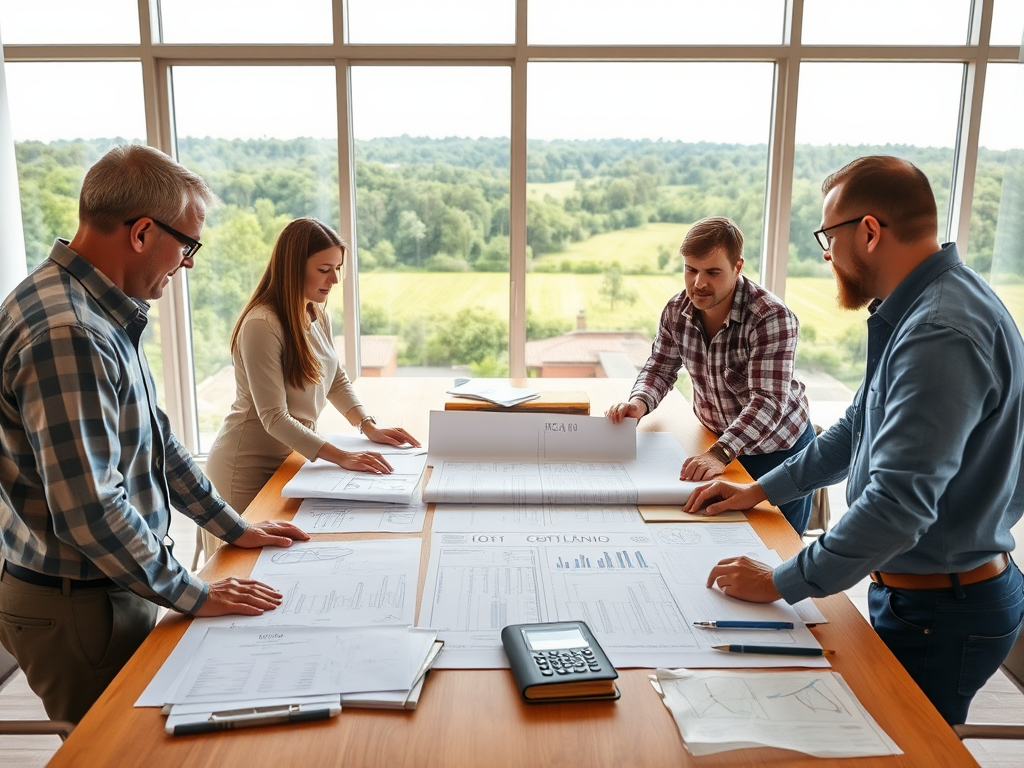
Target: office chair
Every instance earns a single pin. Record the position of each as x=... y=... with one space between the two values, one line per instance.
x=1013 y=668
x=8 y=668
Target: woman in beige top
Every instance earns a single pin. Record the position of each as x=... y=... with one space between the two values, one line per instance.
x=286 y=369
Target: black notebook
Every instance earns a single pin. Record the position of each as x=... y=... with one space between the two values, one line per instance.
x=558 y=661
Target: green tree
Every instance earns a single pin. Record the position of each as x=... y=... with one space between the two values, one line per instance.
x=614 y=288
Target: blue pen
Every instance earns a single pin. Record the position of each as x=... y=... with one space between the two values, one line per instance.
x=744 y=624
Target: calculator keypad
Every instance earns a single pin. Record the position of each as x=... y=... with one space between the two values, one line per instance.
x=551 y=663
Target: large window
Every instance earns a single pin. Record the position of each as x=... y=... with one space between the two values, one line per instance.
x=832 y=129
x=996 y=248
x=268 y=147
x=622 y=159
x=432 y=200
x=515 y=172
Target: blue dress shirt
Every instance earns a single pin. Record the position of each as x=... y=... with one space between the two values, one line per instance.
x=931 y=446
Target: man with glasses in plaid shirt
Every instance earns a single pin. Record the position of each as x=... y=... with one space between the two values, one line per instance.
x=89 y=467
x=738 y=343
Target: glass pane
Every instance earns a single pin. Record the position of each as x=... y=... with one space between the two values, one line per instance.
x=480 y=22
x=267 y=167
x=432 y=191
x=920 y=103
x=656 y=22
x=1008 y=22
x=886 y=22
x=53 y=154
x=996 y=248
x=611 y=193
x=246 y=21
x=69 y=22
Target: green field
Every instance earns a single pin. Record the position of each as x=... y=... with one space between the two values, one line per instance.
x=405 y=295
x=635 y=249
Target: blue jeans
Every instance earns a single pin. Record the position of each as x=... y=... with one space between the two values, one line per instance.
x=797 y=511
x=950 y=645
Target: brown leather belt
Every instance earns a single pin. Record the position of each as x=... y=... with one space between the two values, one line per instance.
x=983 y=572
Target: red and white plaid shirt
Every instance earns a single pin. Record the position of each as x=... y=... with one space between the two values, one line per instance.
x=743 y=384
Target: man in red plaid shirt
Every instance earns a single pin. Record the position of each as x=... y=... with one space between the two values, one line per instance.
x=738 y=343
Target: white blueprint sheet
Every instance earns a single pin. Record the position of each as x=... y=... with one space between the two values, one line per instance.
x=531 y=518
x=529 y=437
x=811 y=712
x=338 y=584
x=639 y=593
x=252 y=663
x=651 y=478
x=337 y=516
x=325 y=480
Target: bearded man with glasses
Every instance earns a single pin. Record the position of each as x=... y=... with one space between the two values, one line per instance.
x=931 y=448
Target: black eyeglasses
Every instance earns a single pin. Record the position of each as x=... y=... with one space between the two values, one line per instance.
x=191 y=244
x=825 y=241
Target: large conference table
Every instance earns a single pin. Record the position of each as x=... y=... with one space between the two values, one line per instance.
x=475 y=718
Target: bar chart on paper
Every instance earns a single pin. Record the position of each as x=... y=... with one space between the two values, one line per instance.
x=610 y=560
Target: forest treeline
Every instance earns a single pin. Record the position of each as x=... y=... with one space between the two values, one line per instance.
x=442 y=205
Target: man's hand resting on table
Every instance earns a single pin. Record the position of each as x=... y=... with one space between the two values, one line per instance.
x=720 y=496
x=239 y=596
x=744 y=579
x=245 y=596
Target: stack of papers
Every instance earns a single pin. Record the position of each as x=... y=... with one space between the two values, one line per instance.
x=241 y=676
x=325 y=480
x=811 y=712
x=491 y=391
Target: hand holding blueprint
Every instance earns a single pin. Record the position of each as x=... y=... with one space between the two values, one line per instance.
x=543 y=458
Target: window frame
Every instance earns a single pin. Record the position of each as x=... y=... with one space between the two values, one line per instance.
x=158 y=58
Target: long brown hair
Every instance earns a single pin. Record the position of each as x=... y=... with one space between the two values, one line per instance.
x=282 y=288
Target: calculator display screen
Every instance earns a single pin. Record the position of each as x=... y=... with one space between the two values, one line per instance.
x=554 y=639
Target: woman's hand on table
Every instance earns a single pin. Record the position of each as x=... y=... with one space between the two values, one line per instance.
x=357 y=461
x=720 y=496
x=271 y=533
x=389 y=435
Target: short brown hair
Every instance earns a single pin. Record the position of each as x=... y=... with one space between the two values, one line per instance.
x=133 y=180
x=891 y=189
x=711 y=233
x=282 y=288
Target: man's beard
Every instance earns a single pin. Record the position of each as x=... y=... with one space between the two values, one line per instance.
x=851 y=284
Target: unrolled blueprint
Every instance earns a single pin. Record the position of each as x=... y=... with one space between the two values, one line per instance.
x=337 y=516
x=532 y=518
x=639 y=592
x=650 y=478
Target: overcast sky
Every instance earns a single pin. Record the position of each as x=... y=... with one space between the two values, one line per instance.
x=729 y=102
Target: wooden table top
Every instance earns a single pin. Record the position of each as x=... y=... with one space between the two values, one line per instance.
x=475 y=718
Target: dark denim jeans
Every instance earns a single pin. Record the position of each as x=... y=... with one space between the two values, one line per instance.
x=797 y=511
x=951 y=645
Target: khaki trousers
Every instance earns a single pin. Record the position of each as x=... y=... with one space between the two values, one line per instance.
x=71 y=642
